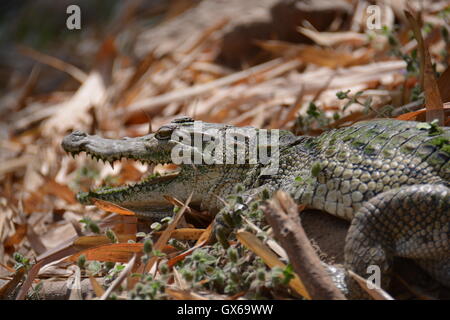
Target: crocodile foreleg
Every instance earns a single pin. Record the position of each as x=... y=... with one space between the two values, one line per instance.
x=230 y=216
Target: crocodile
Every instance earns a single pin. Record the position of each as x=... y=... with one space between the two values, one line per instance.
x=389 y=178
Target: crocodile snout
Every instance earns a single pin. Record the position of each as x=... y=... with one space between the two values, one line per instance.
x=72 y=142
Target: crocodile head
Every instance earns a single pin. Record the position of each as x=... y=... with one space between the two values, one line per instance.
x=211 y=162
x=154 y=148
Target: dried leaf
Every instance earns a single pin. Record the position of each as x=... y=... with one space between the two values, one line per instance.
x=75 y=288
x=74 y=112
x=9 y=286
x=201 y=241
x=154 y=103
x=185 y=233
x=111 y=207
x=250 y=241
x=429 y=84
x=115 y=252
x=91 y=241
x=56 y=63
x=12 y=165
x=58 y=190
x=411 y=116
x=444 y=85
x=17 y=237
x=98 y=289
x=177 y=294
x=320 y=56
x=333 y=38
x=416 y=115
x=8 y=268
x=207 y=235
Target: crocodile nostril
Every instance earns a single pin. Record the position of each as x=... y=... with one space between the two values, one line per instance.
x=74 y=141
x=78 y=133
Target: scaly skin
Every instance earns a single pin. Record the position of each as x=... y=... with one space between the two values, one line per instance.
x=390 y=178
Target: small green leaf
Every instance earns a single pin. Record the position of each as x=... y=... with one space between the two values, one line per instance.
x=288 y=273
x=148 y=246
x=111 y=235
x=94 y=267
x=156 y=226
x=166 y=220
x=232 y=254
x=81 y=261
x=342 y=95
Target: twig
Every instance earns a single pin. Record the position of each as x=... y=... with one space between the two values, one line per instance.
x=301 y=254
x=173 y=96
x=120 y=278
x=412 y=106
x=428 y=81
x=56 y=63
x=166 y=235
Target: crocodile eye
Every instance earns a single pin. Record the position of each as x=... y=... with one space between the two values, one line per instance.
x=164 y=133
x=183 y=120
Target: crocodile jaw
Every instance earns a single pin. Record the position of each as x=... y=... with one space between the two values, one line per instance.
x=146 y=198
x=110 y=150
